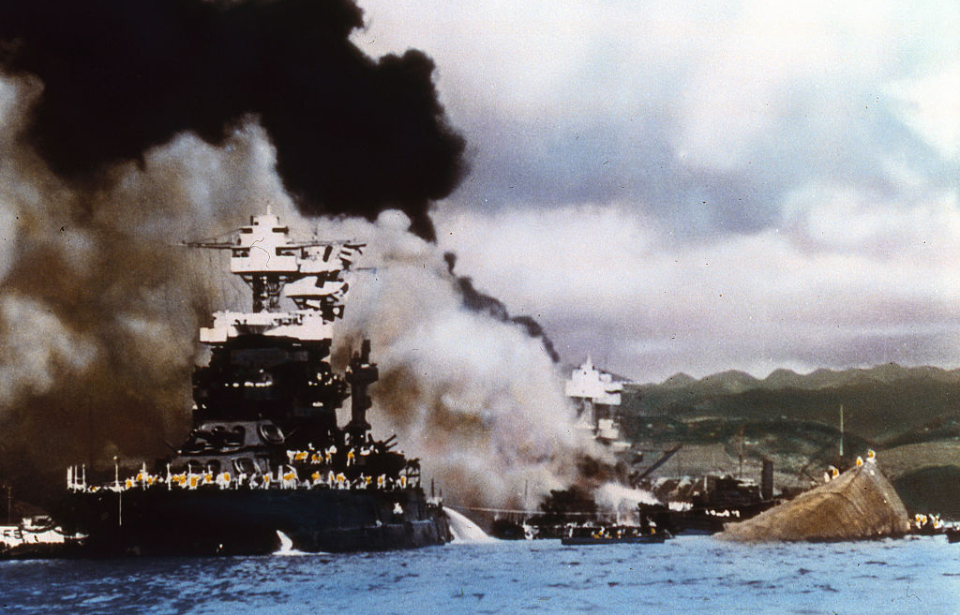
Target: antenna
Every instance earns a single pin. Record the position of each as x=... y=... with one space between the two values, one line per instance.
x=841 y=432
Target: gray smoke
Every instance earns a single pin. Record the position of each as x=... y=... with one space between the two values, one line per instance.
x=99 y=310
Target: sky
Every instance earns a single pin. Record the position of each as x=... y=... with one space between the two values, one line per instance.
x=693 y=186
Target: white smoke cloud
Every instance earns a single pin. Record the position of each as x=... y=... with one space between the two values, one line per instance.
x=36 y=349
x=477 y=399
x=624 y=501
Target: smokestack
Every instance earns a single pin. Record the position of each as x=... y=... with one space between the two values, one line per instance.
x=360 y=374
x=766 y=480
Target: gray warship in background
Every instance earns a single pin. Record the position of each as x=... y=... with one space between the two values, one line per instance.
x=266 y=463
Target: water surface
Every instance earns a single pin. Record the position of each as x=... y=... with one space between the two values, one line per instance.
x=684 y=575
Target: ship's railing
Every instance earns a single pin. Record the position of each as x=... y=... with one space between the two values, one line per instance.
x=306 y=470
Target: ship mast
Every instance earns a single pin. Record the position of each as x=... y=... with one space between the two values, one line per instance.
x=310 y=274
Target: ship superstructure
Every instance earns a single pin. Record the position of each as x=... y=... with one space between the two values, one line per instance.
x=597 y=395
x=266 y=455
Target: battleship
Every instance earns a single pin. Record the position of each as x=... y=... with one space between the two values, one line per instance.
x=266 y=462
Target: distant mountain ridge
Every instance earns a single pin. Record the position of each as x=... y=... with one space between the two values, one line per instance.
x=735 y=381
x=882 y=403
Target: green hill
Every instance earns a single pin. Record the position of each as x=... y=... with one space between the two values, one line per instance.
x=794 y=420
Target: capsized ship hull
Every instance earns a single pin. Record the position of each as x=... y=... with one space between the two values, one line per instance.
x=233 y=522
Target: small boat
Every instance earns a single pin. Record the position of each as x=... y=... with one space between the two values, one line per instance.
x=953 y=534
x=586 y=535
x=36 y=537
x=608 y=540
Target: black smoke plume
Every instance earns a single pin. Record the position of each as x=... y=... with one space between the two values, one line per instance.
x=484 y=303
x=353 y=135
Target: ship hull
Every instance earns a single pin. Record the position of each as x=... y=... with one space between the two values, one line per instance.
x=250 y=521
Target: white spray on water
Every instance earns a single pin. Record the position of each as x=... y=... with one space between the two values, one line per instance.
x=466 y=531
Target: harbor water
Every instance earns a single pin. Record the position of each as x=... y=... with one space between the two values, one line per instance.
x=696 y=574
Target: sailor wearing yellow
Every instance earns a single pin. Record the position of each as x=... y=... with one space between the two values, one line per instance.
x=830 y=474
x=859 y=461
x=871 y=456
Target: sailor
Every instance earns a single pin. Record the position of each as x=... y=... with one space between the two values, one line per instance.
x=330 y=452
x=341 y=481
x=316 y=478
x=223 y=480
x=829 y=474
x=859 y=461
x=381 y=481
x=834 y=472
x=871 y=456
x=351 y=457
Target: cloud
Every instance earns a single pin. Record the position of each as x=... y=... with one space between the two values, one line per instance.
x=702 y=186
x=848 y=281
x=703 y=115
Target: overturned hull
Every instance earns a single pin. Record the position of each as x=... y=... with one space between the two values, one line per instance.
x=859 y=504
x=221 y=522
